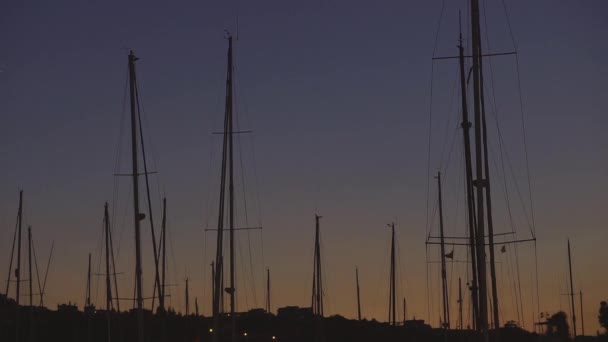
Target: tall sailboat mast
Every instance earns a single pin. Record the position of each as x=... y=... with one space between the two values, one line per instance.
x=87 y=296
x=317 y=286
x=268 y=310
x=392 y=310
x=187 y=299
x=29 y=262
x=571 y=290
x=10 y=267
x=106 y=221
x=137 y=216
x=444 y=281
x=18 y=268
x=227 y=170
x=460 y=323
x=358 y=294
x=470 y=200
x=582 y=317
x=163 y=242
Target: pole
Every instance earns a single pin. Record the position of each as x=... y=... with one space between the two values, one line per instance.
x=136 y=214
x=358 y=294
x=480 y=182
x=582 y=317
x=18 y=269
x=571 y=290
x=404 y=310
x=29 y=248
x=212 y=284
x=444 y=282
x=164 y=255
x=106 y=220
x=87 y=299
x=318 y=274
x=268 y=291
x=392 y=304
x=232 y=289
x=470 y=200
x=218 y=291
x=187 y=299
x=460 y=323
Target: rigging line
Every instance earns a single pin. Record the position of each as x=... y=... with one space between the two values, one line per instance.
x=36 y=265
x=153 y=151
x=118 y=153
x=46 y=272
x=523 y=122
x=124 y=217
x=324 y=279
x=97 y=270
x=532 y=225
x=205 y=267
x=494 y=110
x=174 y=274
x=149 y=203
x=438 y=27
x=244 y=279
x=504 y=188
x=536 y=279
x=523 y=127
x=512 y=173
x=428 y=167
x=380 y=275
x=428 y=162
x=10 y=267
x=243 y=182
x=521 y=303
x=258 y=204
x=453 y=95
x=110 y=229
x=514 y=288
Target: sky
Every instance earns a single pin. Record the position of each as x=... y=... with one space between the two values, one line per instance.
x=341 y=97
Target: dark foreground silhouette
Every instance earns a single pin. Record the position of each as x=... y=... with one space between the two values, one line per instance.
x=293 y=324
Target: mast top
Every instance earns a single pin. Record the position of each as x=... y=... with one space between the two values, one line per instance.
x=132 y=56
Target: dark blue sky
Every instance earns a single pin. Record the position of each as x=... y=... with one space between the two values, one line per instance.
x=338 y=95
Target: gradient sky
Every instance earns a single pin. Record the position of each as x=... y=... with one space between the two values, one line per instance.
x=337 y=93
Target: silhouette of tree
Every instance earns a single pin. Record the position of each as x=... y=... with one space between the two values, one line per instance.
x=603 y=316
x=557 y=326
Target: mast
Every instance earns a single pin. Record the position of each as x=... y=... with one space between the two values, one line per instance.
x=470 y=200
x=87 y=299
x=317 y=288
x=196 y=306
x=358 y=294
x=137 y=216
x=106 y=221
x=163 y=242
x=582 y=317
x=18 y=269
x=212 y=285
x=232 y=289
x=46 y=273
x=267 y=291
x=187 y=299
x=29 y=248
x=404 y=310
x=444 y=281
x=392 y=310
x=227 y=157
x=460 y=323
x=571 y=289
x=479 y=182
